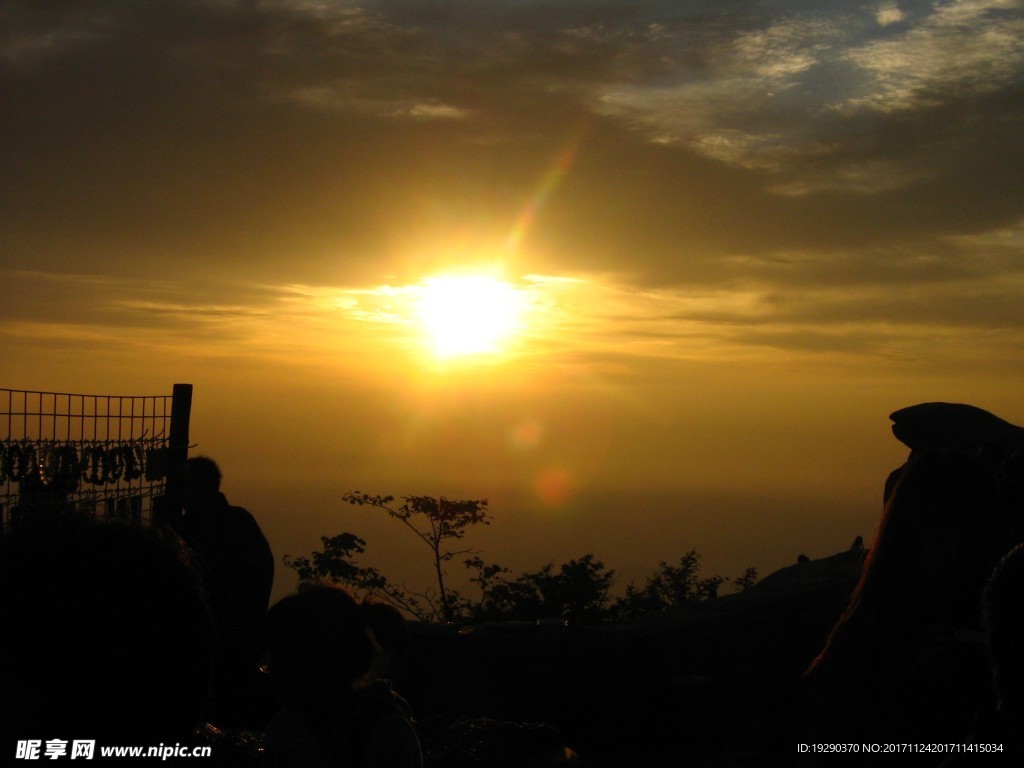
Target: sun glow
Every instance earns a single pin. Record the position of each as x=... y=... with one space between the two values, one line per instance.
x=469 y=314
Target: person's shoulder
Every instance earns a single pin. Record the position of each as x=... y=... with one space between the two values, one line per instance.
x=240 y=513
x=242 y=519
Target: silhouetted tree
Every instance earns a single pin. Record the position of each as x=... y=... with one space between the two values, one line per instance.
x=495 y=598
x=746 y=581
x=673 y=586
x=436 y=522
x=335 y=564
x=578 y=592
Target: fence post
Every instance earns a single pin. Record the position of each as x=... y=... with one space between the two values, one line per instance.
x=169 y=511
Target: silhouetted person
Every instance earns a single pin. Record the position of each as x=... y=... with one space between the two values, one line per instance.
x=1011 y=474
x=891 y=481
x=319 y=647
x=1004 y=642
x=106 y=636
x=904 y=662
x=389 y=635
x=857 y=545
x=375 y=707
x=238 y=569
x=1001 y=720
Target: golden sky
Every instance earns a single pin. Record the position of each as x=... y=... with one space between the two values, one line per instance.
x=737 y=235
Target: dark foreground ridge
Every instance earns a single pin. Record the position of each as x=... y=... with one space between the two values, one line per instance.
x=917 y=639
x=713 y=684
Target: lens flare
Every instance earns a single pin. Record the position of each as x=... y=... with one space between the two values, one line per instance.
x=554 y=486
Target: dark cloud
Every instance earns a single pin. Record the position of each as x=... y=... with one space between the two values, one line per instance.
x=318 y=142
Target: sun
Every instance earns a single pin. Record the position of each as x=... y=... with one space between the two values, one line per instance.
x=468 y=314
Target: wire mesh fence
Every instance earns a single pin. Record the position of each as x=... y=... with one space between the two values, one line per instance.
x=115 y=456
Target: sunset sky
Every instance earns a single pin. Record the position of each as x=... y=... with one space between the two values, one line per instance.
x=728 y=239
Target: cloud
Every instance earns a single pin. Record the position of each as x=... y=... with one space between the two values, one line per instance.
x=767 y=98
x=888 y=13
x=119 y=308
x=356 y=97
x=33 y=34
x=961 y=48
x=773 y=149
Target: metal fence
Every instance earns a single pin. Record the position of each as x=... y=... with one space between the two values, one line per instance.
x=114 y=456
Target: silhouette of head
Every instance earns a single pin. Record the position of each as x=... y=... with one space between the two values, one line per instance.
x=203 y=476
x=389 y=633
x=107 y=634
x=317 y=645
